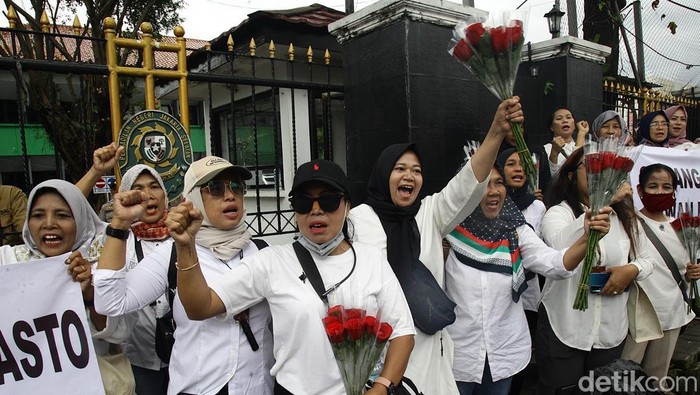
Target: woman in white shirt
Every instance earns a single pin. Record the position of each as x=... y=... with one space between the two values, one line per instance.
x=563 y=125
x=570 y=343
x=485 y=275
x=409 y=230
x=362 y=278
x=656 y=188
x=60 y=220
x=533 y=209
x=228 y=356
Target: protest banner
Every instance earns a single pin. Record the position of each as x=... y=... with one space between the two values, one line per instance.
x=45 y=341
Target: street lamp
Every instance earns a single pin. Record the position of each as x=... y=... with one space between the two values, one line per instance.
x=554 y=20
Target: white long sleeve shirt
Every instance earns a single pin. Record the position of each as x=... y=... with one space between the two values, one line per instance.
x=660 y=287
x=141 y=345
x=305 y=364
x=533 y=215
x=488 y=321
x=207 y=354
x=568 y=149
x=604 y=324
x=430 y=365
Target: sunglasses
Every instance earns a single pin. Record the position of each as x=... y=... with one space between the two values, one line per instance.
x=217 y=188
x=328 y=202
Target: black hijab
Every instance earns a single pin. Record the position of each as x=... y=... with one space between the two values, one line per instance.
x=521 y=197
x=399 y=223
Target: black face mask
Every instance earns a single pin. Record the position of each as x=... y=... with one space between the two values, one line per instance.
x=656 y=203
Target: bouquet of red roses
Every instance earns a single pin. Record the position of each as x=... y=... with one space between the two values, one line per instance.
x=357 y=340
x=608 y=163
x=492 y=53
x=687 y=229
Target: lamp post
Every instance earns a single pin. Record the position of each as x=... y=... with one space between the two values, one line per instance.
x=554 y=19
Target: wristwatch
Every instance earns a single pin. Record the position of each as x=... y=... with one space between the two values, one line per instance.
x=391 y=389
x=117 y=233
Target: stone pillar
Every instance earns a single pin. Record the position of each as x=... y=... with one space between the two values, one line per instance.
x=562 y=72
x=401 y=85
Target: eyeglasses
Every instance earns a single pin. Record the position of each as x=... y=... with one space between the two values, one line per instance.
x=657 y=124
x=328 y=202
x=217 y=188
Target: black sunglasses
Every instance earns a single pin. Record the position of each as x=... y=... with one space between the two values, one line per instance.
x=217 y=188
x=328 y=202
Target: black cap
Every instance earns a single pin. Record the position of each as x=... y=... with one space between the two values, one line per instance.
x=323 y=171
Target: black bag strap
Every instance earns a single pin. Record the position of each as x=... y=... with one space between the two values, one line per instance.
x=138 y=248
x=310 y=270
x=668 y=259
x=172 y=276
x=260 y=243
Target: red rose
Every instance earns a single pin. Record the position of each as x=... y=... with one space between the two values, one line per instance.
x=462 y=51
x=677 y=225
x=619 y=163
x=474 y=32
x=335 y=332
x=515 y=31
x=685 y=219
x=594 y=164
x=384 y=332
x=608 y=159
x=629 y=164
x=330 y=318
x=371 y=325
x=354 y=313
x=695 y=222
x=336 y=310
x=355 y=328
x=500 y=39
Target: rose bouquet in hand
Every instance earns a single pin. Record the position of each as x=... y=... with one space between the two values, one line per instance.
x=687 y=229
x=491 y=52
x=608 y=163
x=357 y=340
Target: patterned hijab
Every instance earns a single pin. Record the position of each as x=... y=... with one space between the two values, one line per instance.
x=606 y=116
x=644 y=130
x=492 y=244
x=521 y=197
x=142 y=230
x=87 y=224
x=674 y=141
x=399 y=223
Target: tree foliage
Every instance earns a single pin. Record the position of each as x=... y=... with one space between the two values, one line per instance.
x=74 y=109
x=601 y=23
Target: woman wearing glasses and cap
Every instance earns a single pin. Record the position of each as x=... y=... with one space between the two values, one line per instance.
x=353 y=274
x=215 y=356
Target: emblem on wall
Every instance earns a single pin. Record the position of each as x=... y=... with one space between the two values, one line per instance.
x=157 y=139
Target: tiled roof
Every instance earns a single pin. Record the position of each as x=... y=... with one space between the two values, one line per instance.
x=164 y=60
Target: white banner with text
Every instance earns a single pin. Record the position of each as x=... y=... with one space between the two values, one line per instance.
x=45 y=341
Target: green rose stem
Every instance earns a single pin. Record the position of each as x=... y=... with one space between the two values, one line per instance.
x=581 y=301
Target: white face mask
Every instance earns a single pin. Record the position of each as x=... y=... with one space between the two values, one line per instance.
x=327 y=247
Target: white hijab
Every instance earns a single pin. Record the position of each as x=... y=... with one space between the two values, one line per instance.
x=224 y=244
x=87 y=224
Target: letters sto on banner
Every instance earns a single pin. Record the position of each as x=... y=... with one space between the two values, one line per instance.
x=45 y=341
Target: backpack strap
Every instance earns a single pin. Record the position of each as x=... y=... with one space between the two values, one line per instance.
x=172 y=276
x=243 y=317
x=260 y=243
x=310 y=270
x=138 y=248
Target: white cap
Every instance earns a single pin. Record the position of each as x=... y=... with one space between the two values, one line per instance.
x=205 y=169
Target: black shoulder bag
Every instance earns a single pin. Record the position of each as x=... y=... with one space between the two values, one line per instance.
x=243 y=316
x=311 y=272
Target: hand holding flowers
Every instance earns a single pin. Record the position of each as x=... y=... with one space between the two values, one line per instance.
x=687 y=228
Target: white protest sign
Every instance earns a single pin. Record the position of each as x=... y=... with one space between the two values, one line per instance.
x=45 y=341
x=686 y=165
